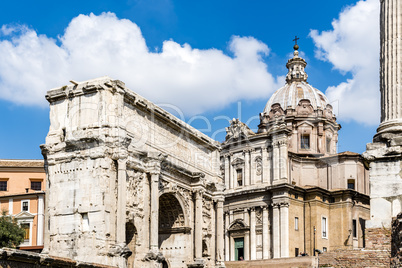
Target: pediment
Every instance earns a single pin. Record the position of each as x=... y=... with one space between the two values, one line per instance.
x=238 y=161
x=237 y=225
x=24 y=215
x=305 y=123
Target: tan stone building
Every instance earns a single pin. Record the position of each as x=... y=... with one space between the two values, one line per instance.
x=288 y=191
x=22 y=193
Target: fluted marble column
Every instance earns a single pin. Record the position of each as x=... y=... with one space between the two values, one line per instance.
x=253 y=248
x=391 y=66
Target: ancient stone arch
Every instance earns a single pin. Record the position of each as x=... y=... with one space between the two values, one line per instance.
x=171 y=213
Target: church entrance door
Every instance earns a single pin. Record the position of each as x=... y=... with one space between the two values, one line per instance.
x=239 y=249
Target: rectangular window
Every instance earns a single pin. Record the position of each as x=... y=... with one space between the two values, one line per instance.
x=3 y=185
x=296 y=223
x=324 y=249
x=26 y=228
x=332 y=199
x=354 y=229
x=328 y=145
x=25 y=205
x=239 y=177
x=305 y=141
x=36 y=185
x=351 y=184
x=324 y=227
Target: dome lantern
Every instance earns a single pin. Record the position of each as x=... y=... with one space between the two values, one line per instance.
x=296 y=67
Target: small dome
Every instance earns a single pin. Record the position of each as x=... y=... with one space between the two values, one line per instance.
x=290 y=95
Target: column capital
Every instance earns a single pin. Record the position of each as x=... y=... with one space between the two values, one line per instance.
x=198 y=193
x=252 y=209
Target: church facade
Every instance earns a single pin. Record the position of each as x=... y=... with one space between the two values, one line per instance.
x=288 y=191
x=130 y=185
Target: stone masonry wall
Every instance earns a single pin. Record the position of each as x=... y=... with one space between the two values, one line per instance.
x=355 y=258
x=13 y=258
x=378 y=239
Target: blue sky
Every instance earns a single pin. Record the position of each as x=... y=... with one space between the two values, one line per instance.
x=211 y=60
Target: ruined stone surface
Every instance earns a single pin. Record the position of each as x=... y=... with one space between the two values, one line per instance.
x=112 y=157
x=384 y=154
x=396 y=249
x=13 y=258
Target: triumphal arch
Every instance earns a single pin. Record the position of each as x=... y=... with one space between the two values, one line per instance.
x=130 y=185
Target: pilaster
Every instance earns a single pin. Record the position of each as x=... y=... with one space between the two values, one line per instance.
x=276 y=231
x=253 y=248
x=266 y=235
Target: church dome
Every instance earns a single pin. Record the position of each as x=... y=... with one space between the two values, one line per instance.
x=296 y=88
x=289 y=96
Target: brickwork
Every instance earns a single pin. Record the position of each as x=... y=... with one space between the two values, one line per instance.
x=13 y=258
x=299 y=262
x=396 y=253
x=378 y=239
x=355 y=258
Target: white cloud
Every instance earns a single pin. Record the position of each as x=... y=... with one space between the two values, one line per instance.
x=92 y=46
x=352 y=46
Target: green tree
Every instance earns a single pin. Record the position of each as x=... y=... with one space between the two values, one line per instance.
x=11 y=234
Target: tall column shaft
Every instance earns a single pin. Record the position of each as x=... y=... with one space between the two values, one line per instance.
x=265 y=234
x=41 y=220
x=219 y=232
x=391 y=65
x=284 y=211
x=227 y=238
x=153 y=241
x=246 y=238
x=276 y=231
x=253 y=248
x=121 y=202
x=198 y=225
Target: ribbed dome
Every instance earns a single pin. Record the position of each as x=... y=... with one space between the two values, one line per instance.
x=290 y=95
x=296 y=87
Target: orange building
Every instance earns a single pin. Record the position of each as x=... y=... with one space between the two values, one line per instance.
x=22 y=195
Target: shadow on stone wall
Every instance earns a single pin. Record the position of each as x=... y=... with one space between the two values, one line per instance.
x=14 y=258
x=396 y=244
